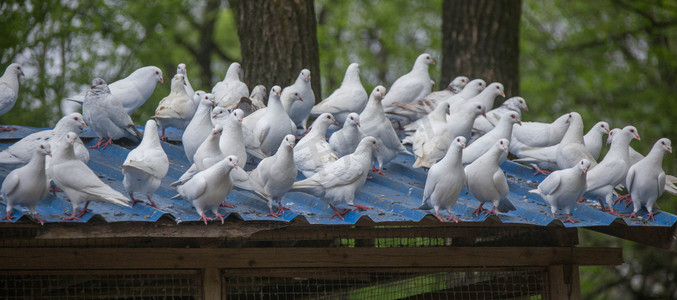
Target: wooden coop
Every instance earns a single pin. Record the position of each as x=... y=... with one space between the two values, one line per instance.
x=391 y=252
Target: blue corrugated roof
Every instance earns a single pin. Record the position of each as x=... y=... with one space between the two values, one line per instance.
x=394 y=196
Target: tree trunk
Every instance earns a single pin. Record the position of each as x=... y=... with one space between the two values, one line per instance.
x=480 y=39
x=278 y=39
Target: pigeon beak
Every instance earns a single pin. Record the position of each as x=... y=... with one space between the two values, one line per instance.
x=213 y=116
x=462 y=145
x=300 y=99
x=669 y=149
x=22 y=73
x=432 y=62
x=526 y=108
x=336 y=122
x=213 y=102
x=383 y=96
x=162 y=80
x=357 y=123
x=235 y=165
x=184 y=84
x=239 y=121
x=637 y=137
x=585 y=170
x=378 y=149
x=519 y=123
x=72 y=141
x=484 y=114
x=505 y=149
x=277 y=93
x=83 y=124
x=502 y=94
x=306 y=78
x=291 y=145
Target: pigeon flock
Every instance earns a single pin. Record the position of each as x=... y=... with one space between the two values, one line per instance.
x=455 y=134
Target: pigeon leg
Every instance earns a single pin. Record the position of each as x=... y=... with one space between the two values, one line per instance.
x=220 y=216
x=625 y=197
x=611 y=211
x=581 y=200
x=491 y=212
x=84 y=210
x=150 y=202
x=72 y=217
x=437 y=215
x=360 y=207
x=633 y=216
x=3 y=128
x=38 y=219
x=163 y=137
x=226 y=204
x=7 y=217
x=452 y=218
x=601 y=203
x=203 y=217
x=540 y=171
x=271 y=213
x=478 y=210
x=110 y=141
x=134 y=201
x=373 y=168
x=338 y=213
x=54 y=189
x=98 y=144
x=570 y=220
x=651 y=214
x=280 y=208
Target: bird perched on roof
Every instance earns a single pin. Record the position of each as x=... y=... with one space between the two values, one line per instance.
x=483 y=124
x=26 y=185
x=338 y=181
x=181 y=69
x=345 y=140
x=539 y=134
x=445 y=181
x=177 y=109
x=199 y=126
x=486 y=97
x=264 y=129
x=503 y=130
x=274 y=176
x=412 y=86
x=232 y=140
x=646 y=178
x=131 y=91
x=593 y=139
x=254 y=102
x=229 y=91
x=486 y=181
x=105 y=115
x=299 y=111
x=562 y=188
x=419 y=108
x=208 y=188
x=349 y=97
x=313 y=152
x=376 y=124
x=145 y=166
x=9 y=89
x=77 y=180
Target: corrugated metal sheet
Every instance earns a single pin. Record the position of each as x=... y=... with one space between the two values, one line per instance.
x=394 y=197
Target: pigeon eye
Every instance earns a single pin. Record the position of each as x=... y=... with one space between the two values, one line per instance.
x=497 y=88
x=328 y=117
x=512 y=116
x=42 y=147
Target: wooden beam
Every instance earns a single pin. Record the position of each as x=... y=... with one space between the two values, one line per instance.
x=211 y=283
x=564 y=282
x=415 y=257
x=659 y=237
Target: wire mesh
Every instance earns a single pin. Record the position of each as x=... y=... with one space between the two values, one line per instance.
x=99 y=284
x=384 y=284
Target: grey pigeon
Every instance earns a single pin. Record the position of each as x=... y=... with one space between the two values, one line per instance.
x=487 y=182
x=145 y=166
x=177 y=109
x=563 y=188
x=9 y=89
x=445 y=181
x=646 y=178
x=26 y=185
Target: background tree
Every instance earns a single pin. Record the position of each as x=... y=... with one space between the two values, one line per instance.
x=480 y=39
x=278 y=39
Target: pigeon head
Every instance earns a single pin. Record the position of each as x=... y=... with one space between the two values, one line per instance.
x=234 y=71
x=516 y=103
x=496 y=88
x=612 y=132
x=425 y=58
x=475 y=109
x=354 y=118
x=295 y=96
x=231 y=160
x=44 y=149
x=259 y=91
x=75 y=121
x=503 y=144
x=460 y=141
x=583 y=165
x=217 y=130
x=209 y=98
x=602 y=127
x=328 y=118
x=458 y=83
x=98 y=87
x=155 y=72
x=71 y=137
x=378 y=93
x=304 y=75
x=237 y=115
x=369 y=142
x=275 y=90
x=665 y=143
x=632 y=131
x=289 y=140
x=476 y=86
x=16 y=68
x=181 y=69
x=514 y=117
x=353 y=68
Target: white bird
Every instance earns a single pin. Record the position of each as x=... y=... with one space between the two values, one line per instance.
x=299 y=111
x=503 y=130
x=486 y=97
x=177 y=109
x=593 y=139
x=337 y=182
x=145 y=166
x=274 y=176
x=646 y=178
x=265 y=128
x=313 y=152
x=572 y=148
x=412 y=86
x=200 y=125
x=345 y=140
x=254 y=102
x=26 y=185
x=105 y=115
x=229 y=91
x=232 y=140
x=208 y=188
x=613 y=169
x=181 y=69
x=483 y=124
x=21 y=151
x=486 y=181
x=539 y=134
x=563 y=188
x=78 y=181
x=131 y=91
x=471 y=89
x=430 y=142
x=419 y=108
x=445 y=181
x=209 y=152
x=375 y=123
x=9 y=89
x=348 y=98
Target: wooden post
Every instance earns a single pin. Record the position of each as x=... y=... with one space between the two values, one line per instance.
x=564 y=282
x=211 y=283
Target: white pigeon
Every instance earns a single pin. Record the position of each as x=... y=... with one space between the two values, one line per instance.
x=229 y=91
x=177 y=109
x=313 y=152
x=486 y=181
x=563 y=188
x=200 y=125
x=375 y=123
x=209 y=152
x=539 y=134
x=21 y=151
x=412 y=86
x=646 y=178
x=572 y=148
x=613 y=169
x=232 y=140
x=445 y=181
x=299 y=111
x=503 y=130
x=337 y=182
x=430 y=142
x=78 y=181
x=254 y=102
x=145 y=166
x=348 y=98
x=131 y=91
x=593 y=139
x=345 y=140
x=105 y=115
x=483 y=124
x=419 y=108
x=181 y=69
x=9 y=89
x=265 y=128
x=26 y=185
x=486 y=97
x=274 y=176
x=208 y=188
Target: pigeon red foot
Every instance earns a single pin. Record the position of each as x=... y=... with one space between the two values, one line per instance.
x=360 y=207
x=203 y=217
x=226 y=204
x=479 y=210
x=7 y=217
x=3 y=128
x=38 y=219
x=338 y=213
x=540 y=171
